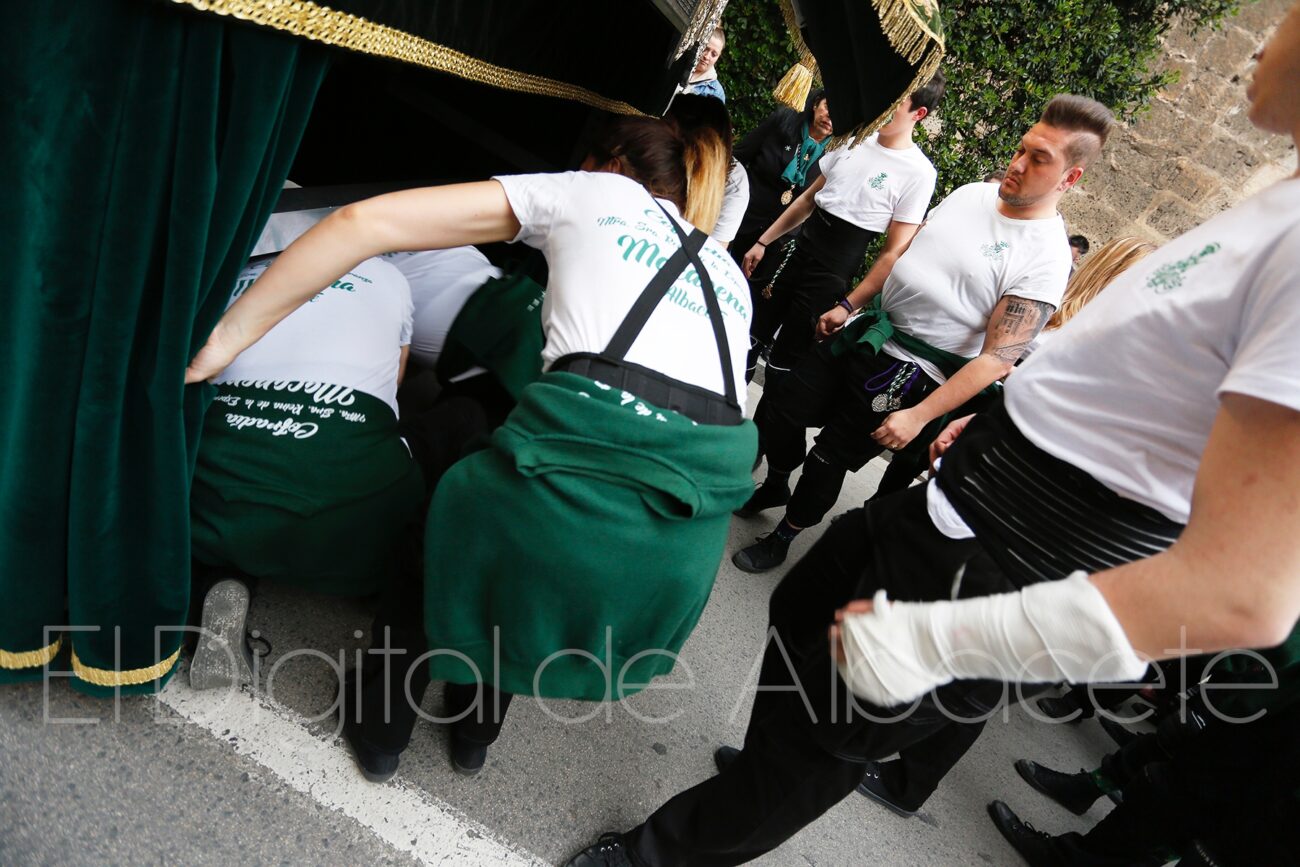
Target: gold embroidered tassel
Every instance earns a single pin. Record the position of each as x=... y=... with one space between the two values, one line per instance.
x=793 y=88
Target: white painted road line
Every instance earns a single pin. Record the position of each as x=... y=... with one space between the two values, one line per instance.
x=404 y=816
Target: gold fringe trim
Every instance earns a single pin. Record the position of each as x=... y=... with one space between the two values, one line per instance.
x=923 y=74
x=31 y=658
x=310 y=20
x=131 y=677
x=907 y=32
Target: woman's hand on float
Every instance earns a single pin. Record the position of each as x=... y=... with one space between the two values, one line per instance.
x=836 y=635
x=831 y=321
x=899 y=428
x=215 y=356
x=752 y=258
x=946 y=438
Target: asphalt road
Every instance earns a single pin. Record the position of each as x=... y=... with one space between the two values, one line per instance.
x=198 y=778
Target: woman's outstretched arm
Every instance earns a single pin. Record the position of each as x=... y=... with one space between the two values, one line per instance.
x=422 y=219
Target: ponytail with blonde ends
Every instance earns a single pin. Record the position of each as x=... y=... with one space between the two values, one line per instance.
x=707 y=162
x=1097 y=272
x=683 y=157
x=705 y=127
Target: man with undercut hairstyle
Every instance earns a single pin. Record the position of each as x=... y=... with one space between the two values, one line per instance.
x=962 y=303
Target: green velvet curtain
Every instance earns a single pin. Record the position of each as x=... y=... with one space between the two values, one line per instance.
x=144 y=147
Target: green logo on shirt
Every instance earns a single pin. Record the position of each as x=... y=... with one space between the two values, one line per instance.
x=994 y=251
x=1169 y=277
x=878 y=182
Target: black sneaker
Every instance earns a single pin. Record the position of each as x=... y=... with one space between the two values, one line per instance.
x=767 y=553
x=467 y=758
x=1034 y=846
x=768 y=495
x=609 y=851
x=724 y=757
x=1063 y=709
x=1074 y=792
x=377 y=766
x=873 y=786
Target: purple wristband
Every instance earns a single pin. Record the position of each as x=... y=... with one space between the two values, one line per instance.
x=844 y=302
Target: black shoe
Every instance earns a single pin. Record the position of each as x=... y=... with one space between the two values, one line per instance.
x=1034 y=845
x=609 y=851
x=769 y=495
x=1117 y=732
x=1074 y=792
x=467 y=757
x=767 y=553
x=724 y=757
x=377 y=766
x=1064 y=709
x=873 y=786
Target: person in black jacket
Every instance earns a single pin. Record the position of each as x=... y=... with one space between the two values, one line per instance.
x=780 y=155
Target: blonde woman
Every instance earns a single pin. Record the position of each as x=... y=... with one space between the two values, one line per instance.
x=1096 y=273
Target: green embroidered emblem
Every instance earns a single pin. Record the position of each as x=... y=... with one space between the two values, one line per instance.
x=994 y=251
x=878 y=182
x=1169 y=277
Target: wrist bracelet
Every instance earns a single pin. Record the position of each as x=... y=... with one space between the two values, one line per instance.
x=761 y=244
x=844 y=302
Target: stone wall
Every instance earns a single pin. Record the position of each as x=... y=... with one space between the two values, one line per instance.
x=1195 y=153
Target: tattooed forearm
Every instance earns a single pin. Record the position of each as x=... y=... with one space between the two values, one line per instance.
x=1015 y=324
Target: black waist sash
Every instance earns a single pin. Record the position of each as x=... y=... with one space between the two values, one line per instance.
x=1037 y=516
x=612 y=368
x=836 y=244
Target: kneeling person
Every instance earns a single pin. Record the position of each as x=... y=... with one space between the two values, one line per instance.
x=302 y=477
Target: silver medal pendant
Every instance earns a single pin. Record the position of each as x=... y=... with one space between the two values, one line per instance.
x=880 y=403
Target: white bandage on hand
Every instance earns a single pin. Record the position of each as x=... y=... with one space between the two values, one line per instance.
x=1053 y=631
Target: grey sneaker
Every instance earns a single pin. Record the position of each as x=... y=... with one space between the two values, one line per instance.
x=221 y=659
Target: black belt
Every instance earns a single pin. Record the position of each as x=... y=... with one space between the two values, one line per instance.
x=697 y=404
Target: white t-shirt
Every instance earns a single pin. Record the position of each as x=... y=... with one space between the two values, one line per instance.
x=1127 y=389
x=735 y=199
x=870 y=185
x=604 y=238
x=441 y=281
x=351 y=334
x=968 y=255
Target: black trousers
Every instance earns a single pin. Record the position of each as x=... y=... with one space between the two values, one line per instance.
x=802 y=293
x=832 y=393
x=804 y=748
x=393 y=681
x=1232 y=788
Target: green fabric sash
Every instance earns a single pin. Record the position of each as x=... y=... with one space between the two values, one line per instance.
x=499 y=328
x=145 y=146
x=592 y=528
x=304 y=483
x=874 y=328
